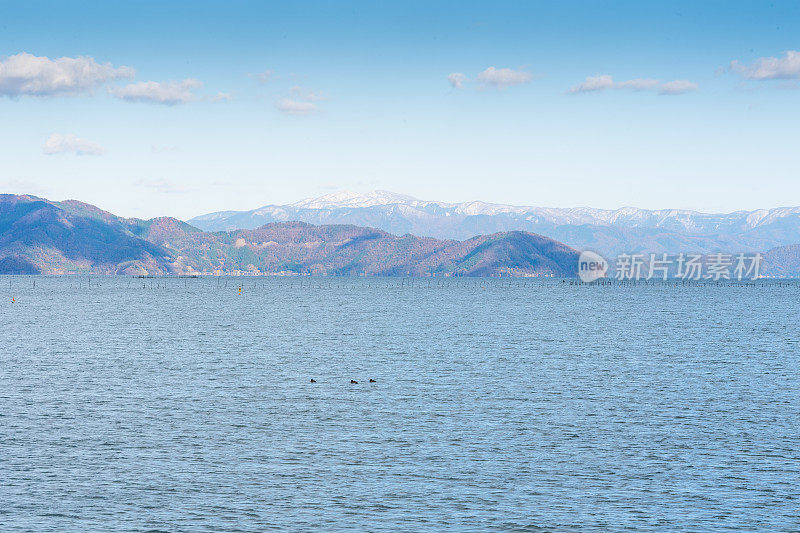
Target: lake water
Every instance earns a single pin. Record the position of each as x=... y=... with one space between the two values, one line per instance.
x=166 y=405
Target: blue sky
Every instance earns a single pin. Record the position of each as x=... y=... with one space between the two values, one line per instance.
x=357 y=97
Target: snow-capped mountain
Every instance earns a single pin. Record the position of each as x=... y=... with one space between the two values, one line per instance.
x=341 y=199
x=628 y=229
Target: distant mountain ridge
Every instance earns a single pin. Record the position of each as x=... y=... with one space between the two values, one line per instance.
x=625 y=230
x=42 y=236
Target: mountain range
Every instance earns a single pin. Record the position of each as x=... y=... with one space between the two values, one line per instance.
x=609 y=232
x=43 y=236
x=49 y=237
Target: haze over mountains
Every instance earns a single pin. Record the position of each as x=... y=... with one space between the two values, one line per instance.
x=42 y=236
x=610 y=232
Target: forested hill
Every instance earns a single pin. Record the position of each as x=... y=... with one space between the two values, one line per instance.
x=43 y=236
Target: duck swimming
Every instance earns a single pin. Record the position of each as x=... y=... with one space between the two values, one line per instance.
x=354 y=382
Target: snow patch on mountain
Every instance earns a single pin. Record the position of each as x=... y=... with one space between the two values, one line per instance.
x=341 y=199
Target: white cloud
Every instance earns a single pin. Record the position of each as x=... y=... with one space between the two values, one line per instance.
x=771 y=68
x=503 y=77
x=677 y=87
x=222 y=97
x=263 y=76
x=594 y=83
x=58 y=143
x=639 y=84
x=300 y=102
x=27 y=74
x=166 y=93
x=295 y=107
x=456 y=79
x=604 y=82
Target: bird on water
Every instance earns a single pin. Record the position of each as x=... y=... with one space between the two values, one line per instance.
x=354 y=382
x=372 y=380
x=313 y=380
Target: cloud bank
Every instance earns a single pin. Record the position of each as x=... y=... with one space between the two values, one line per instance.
x=677 y=87
x=503 y=77
x=30 y=75
x=58 y=143
x=497 y=78
x=605 y=82
x=771 y=68
x=295 y=107
x=165 y=93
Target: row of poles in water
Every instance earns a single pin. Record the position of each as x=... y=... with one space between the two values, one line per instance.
x=240 y=284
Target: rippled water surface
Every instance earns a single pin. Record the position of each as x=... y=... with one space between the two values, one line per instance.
x=177 y=404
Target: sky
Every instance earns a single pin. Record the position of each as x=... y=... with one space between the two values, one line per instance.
x=183 y=108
